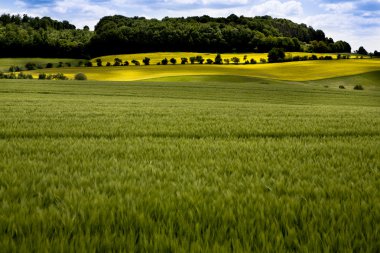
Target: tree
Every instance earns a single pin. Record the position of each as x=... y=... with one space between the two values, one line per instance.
x=235 y=60
x=80 y=76
x=173 y=61
x=192 y=59
x=276 y=55
x=183 y=60
x=99 y=62
x=164 y=61
x=118 y=62
x=361 y=50
x=218 y=59
x=146 y=61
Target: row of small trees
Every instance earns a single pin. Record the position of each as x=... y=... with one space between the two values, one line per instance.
x=41 y=76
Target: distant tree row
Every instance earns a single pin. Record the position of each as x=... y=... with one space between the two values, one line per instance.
x=24 y=36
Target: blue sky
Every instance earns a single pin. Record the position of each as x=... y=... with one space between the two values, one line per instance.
x=355 y=21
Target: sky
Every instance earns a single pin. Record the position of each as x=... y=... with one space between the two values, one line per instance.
x=354 y=21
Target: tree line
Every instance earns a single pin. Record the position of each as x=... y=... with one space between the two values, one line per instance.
x=24 y=36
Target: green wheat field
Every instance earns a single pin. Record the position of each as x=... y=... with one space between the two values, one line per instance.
x=190 y=164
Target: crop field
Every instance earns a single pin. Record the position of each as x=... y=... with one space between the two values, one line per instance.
x=190 y=164
x=291 y=71
x=157 y=57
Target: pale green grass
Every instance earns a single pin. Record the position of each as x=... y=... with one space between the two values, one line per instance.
x=209 y=166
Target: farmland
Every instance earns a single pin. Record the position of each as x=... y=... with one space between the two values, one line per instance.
x=193 y=163
x=291 y=71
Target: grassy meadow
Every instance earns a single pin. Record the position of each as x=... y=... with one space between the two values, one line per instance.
x=203 y=163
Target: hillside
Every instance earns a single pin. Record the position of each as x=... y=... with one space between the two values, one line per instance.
x=44 y=37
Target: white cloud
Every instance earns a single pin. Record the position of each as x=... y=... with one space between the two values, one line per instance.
x=278 y=9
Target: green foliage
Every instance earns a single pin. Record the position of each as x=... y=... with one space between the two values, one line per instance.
x=362 y=51
x=358 y=87
x=235 y=60
x=276 y=55
x=88 y=64
x=146 y=61
x=164 y=61
x=42 y=76
x=193 y=59
x=184 y=60
x=126 y=63
x=209 y=61
x=99 y=62
x=199 y=59
x=262 y=60
x=253 y=61
x=80 y=76
x=118 y=62
x=30 y=66
x=173 y=61
x=136 y=62
x=218 y=59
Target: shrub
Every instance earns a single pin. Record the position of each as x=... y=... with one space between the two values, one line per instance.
x=262 y=60
x=183 y=60
x=30 y=66
x=321 y=58
x=146 y=61
x=173 y=61
x=304 y=58
x=108 y=64
x=60 y=64
x=99 y=62
x=209 y=61
x=80 y=76
x=199 y=59
x=42 y=76
x=314 y=57
x=192 y=59
x=14 y=69
x=39 y=66
x=328 y=57
x=49 y=65
x=253 y=61
x=88 y=64
x=296 y=58
x=226 y=61
x=218 y=59
x=136 y=62
x=358 y=87
x=68 y=64
x=276 y=55
x=59 y=76
x=117 y=62
x=339 y=56
x=235 y=60
x=164 y=61
x=341 y=87
x=126 y=63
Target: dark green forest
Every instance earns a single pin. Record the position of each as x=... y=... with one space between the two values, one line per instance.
x=24 y=36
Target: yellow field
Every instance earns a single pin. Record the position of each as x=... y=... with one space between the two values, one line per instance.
x=293 y=71
x=157 y=57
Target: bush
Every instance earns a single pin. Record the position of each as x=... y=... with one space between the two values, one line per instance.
x=49 y=65
x=218 y=59
x=226 y=61
x=235 y=60
x=30 y=66
x=146 y=61
x=164 y=61
x=42 y=76
x=341 y=87
x=99 y=62
x=296 y=58
x=14 y=69
x=136 y=62
x=314 y=57
x=328 y=57
x=253 y=61
x=117 y=62
x=59 y=76
x=80 y=76
x=199 y=59
x=339 y=56
x=88 y=64
x=126 y=63
x=192 y=59
x=304 y=58
x=108 y=64
x=183 y=60
x=173 y=61
x=262 y=60
x=209 y=61
x=276 y=55
x=358 y=87
x=60 y=64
